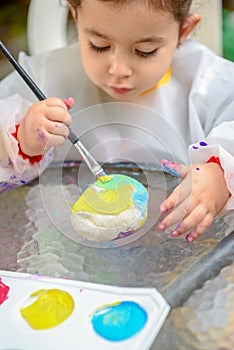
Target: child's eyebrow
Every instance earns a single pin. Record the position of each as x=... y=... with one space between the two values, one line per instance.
x=152 y=39
x=92 y=31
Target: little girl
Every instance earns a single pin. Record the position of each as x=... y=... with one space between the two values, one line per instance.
x=136 y=52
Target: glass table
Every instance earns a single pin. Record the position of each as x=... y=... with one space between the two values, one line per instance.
x=196 y=279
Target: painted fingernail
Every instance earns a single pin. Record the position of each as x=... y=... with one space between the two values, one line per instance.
x=163 y=209
x=170 y=167
x=161 y=226
x=174 y=233
x=189 y=239
x=69 y=102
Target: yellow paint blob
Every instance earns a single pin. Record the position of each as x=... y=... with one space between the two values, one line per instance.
x=51 y=307
x=104 y=178
x=106 y=201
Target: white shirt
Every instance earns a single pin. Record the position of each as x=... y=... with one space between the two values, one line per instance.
x=196 y=104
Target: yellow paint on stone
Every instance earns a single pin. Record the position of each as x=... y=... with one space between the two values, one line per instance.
x=106 y=202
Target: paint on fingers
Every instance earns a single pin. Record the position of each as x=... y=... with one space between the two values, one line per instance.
x=171 y=167
x=69 y=102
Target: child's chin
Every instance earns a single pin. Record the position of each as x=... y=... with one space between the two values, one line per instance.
x=127 y=97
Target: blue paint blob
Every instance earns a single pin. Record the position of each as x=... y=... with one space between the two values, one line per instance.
x=195 y=147
x=119 y=321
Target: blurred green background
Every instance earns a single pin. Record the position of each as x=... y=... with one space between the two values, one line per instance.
x=13 y=21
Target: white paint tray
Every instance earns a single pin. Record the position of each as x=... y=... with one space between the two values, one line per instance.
x=76 y=332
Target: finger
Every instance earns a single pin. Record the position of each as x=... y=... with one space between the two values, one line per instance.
x=69 y=102
x=193 y=216
x=54 y=141
x=57 y=128
x=178 y=195
x=175 y=217
x=200 y=229
x=184 y=169
x=49 y=129
x=58 y=114
x=55 y=102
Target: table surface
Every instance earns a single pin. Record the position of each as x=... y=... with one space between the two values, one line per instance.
x=196 y=279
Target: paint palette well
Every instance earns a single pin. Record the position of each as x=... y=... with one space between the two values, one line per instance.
x=86 y=315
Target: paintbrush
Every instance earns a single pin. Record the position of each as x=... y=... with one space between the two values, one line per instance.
x=93 y=165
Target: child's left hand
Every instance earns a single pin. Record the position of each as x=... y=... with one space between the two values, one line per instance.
x=196 y=201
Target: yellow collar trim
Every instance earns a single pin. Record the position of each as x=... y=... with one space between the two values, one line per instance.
x=165 y=79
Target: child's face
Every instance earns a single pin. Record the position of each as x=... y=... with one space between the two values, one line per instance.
x=125 y=50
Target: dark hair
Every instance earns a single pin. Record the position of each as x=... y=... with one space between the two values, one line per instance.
x=178 y=8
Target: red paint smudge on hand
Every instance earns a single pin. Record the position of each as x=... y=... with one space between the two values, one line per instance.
x=3 y=292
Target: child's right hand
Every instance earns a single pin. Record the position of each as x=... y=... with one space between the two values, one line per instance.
x=44 y=126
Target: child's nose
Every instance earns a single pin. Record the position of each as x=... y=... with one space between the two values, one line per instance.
x=120 y=66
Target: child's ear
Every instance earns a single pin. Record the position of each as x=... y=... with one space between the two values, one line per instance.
x=190 y=22
x=73 y=11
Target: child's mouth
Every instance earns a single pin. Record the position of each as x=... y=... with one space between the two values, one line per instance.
x=120 y=91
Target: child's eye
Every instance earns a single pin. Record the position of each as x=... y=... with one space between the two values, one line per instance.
x=98 y=48
x=146 y=54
